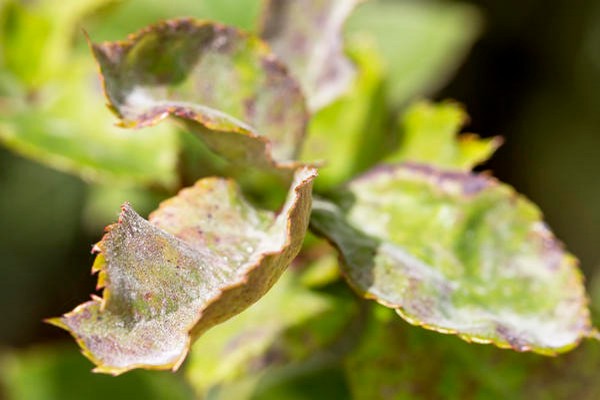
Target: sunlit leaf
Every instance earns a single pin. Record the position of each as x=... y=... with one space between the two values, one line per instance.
x=348 y=134
x=222 y=84
x=203 y=256
x=36 y=37
x=306 y=35
x=430 y=136
x=270 y=342
x=423 y=42
x=457 y=253
x=64 y=132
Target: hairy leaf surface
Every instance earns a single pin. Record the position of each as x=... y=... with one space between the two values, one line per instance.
x=222 y=84
x=203 y=256
x=430 y=136
x=307 y=36
x=458 y=253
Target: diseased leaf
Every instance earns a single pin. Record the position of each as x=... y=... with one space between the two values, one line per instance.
x=272 y=341
x=430 y=137
x=307 y=36
x=203 y=256
x=423 y=42
x=457 y=253
x=222 y=84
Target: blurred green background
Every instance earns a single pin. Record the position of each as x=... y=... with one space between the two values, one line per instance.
x=531 y=76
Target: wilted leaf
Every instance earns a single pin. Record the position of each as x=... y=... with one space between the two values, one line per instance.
x=423 y=42
x=203 y=256
x=307 y=36
x=222 y=84
x=458 y=253
x=430 y=137
x=269 y=342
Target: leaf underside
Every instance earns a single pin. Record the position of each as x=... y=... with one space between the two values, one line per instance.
x=307 y=36
x=457 y=253
x=202 y=257
x=222 y=84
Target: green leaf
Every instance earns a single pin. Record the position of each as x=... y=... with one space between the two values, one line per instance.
x=60 y=130
x=347 y=135
x=383 y=367
x=307 y=36
x=271 y=342
x=36 y=37
x=423 y=42
x=203 y=256
x=60 y=373
x=430 y=137
x=457 y=253
x=222 y=84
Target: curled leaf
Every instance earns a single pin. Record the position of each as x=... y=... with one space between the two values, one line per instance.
x=458 y=253
x=225 y=85
x=203 y=256
x=307 y=36
x=430 y=136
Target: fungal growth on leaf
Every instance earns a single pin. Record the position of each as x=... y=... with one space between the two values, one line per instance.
x=224 y=85
x=202 y=257
x=307 y=36
x=460 y=253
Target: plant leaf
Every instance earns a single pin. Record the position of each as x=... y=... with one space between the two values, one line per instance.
x=457 y=253
x=430 y=137
x=349 y=133
x=270 y=341
x=376 y=369
x=203 y=256
x=223 y=84
x=66 y=133
x=423 y=42
x=307 y=36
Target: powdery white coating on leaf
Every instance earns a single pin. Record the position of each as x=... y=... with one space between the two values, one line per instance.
x=203 y=256
x=458 y=253
x=307 y=36
x=224 y=85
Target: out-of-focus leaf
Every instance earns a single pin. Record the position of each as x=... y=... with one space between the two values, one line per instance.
x=130 y=15
x=269 y=342
x=430 y=137
x=423 y=42
x=203 y=256
x=68 y=128
x=458 y=253
x=36 y=37
x=222 y=84
x=383 y=367
x=60 y=373
x=307 y=36
x=347 y=134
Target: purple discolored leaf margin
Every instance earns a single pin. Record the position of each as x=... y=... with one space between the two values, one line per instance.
x=203 y=256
